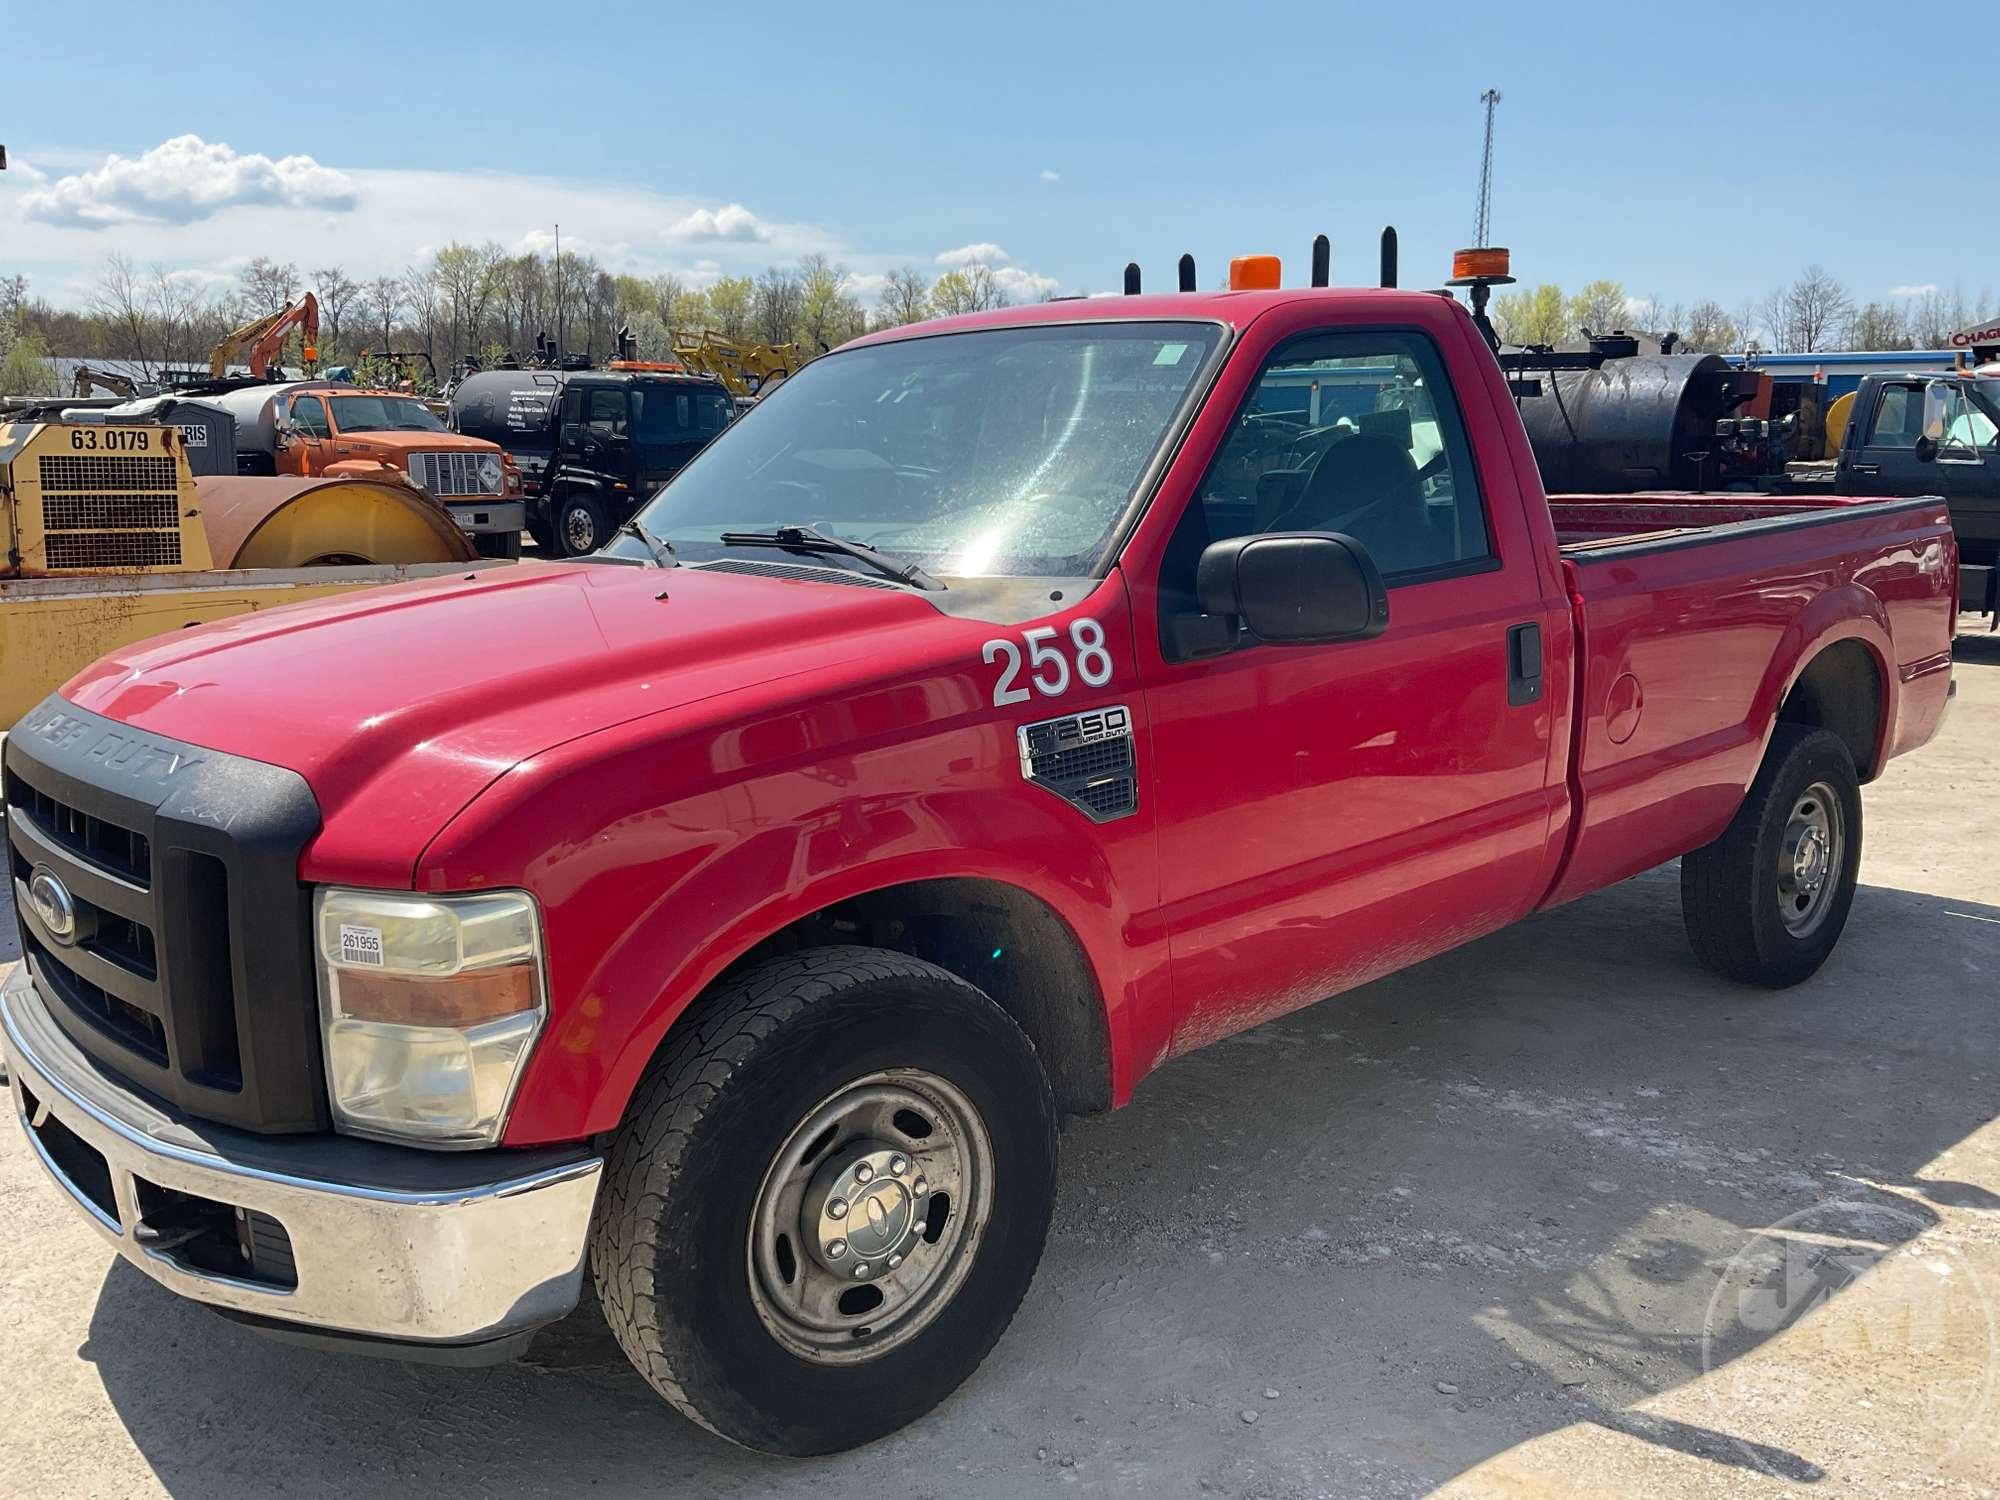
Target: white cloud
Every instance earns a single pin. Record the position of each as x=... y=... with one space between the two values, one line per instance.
x=1922 y=290
x=1023 y=285
x=730 y=222
x=1049 y=176
x=185 y=180
x=866 y=286
x=985 y=253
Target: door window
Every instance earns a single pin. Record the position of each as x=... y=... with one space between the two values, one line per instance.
x=606 y=413
x=1350 y=432
x=309 y=416
x=1899 y=418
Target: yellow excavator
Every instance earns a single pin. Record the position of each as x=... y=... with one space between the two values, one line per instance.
x=745 y=370
x=261 y=339
x=87 y=380
x=110 y=538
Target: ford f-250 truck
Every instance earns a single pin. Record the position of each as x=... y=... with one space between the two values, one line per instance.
x=1003 y=707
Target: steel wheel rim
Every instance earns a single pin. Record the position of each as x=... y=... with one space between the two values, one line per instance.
x=913 y=1207
x=1811 y=852
x=578 y=529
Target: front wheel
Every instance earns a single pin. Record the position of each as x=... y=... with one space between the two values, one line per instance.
x=581 y=526
x=827 y=1200
x=1766 y=902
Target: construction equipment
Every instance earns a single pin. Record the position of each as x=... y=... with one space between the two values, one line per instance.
x=746 y=370
x=260 y=339
x=110 y=538
x=87 y=380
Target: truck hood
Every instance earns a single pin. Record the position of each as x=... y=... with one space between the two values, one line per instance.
x=400 y=704
x=396 y=441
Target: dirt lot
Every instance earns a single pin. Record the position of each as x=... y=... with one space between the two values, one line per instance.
x=1556 y=1214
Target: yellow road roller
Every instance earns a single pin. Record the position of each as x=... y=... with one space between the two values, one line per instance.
x=109 y=539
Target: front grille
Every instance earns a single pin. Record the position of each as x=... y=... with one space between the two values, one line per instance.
x=185 y=964
x=449 y=475
x=105 y=512
x=111 y=549
x=120 y=850
x=68 y=471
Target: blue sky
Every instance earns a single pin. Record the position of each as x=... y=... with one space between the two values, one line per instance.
x=1686 y=150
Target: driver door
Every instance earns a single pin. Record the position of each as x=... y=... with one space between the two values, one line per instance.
x=307 y=452
x=1331 y=812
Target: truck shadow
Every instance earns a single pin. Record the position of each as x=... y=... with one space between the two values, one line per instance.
x=1516 y=1188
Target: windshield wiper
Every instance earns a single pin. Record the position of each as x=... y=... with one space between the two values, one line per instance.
x=660 y=547
x=808 y=539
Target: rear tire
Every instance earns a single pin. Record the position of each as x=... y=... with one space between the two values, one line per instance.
x=1766 y=902
x=736 y=1205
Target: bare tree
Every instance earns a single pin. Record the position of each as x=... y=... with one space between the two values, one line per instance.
x=337 y=294
x=180 y=310
x=1878 y=325
x=119 y=301
x=1809 y=315
x=780 y=298
x=269 y=286
x=906 y=298
x=1710 y=330
x=383 y=298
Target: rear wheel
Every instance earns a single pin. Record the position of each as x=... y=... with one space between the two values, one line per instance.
x=581 y=525
x=827 y=1200
x=1766 y=902
x=498 y=544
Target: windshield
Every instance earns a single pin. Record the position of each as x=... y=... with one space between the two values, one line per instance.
x=1009 y=451
x=383 y=414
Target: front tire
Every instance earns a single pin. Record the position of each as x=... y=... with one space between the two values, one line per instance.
x=827 y=1199
x=1766 y=902
x=581 y=526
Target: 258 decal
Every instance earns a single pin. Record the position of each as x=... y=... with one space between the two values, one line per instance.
x=1048 y=670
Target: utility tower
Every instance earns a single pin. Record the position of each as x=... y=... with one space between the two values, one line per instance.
x=1491 y=99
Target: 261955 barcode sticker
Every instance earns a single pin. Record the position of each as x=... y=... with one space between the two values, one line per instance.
x=361 y=945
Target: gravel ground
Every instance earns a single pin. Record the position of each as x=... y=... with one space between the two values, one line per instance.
x=1555 y=1214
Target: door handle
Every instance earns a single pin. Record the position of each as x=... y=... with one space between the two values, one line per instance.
x=1524 y=663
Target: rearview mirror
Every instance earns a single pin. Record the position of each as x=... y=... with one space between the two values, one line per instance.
x=1294 y=587
x=1933 y=420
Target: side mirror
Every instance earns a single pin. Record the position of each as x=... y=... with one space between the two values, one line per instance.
x=1295 y=587
x=1933 y=421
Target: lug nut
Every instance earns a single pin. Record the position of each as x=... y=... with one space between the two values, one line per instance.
x=920 y=1187
x=895 y=1261
x=898 y=1165
x=863 y=1172
x=836 y=1248
x=861 y=1268
x=836 y=1208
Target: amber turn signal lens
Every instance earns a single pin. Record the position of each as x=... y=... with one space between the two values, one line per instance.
x=1254 y=273
x=1486 y=260
x=462 y=999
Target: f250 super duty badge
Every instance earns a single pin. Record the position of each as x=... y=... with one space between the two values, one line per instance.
x=1086 y=759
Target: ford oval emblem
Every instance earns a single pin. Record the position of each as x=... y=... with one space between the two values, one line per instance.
x=53 y=904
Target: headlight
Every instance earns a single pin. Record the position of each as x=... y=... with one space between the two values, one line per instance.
x=429 y=1007
x=491 y=475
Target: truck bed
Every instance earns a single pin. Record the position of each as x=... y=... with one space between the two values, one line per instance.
x=1694 y=616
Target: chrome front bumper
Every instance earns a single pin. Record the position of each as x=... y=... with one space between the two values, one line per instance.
x=482 y=517
x=389 y=1244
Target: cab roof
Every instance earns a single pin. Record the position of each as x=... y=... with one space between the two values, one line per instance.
x=1235 y=310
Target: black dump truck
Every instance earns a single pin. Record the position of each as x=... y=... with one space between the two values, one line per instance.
x=591 y=444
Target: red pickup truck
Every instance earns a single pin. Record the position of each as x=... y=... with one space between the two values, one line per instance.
x=1003 y=707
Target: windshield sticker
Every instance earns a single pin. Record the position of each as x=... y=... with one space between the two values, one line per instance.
x=1170 y=354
